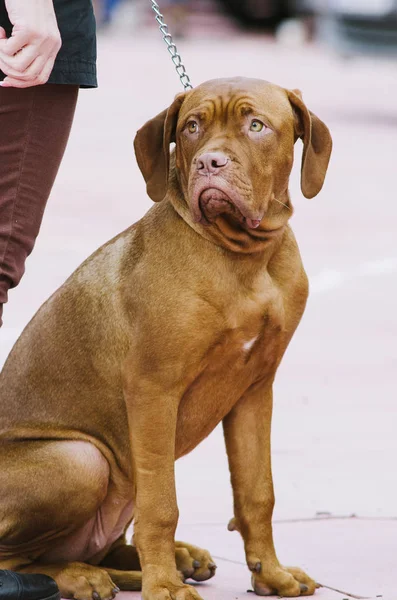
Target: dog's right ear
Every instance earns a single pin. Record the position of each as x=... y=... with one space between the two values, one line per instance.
x=152 y=149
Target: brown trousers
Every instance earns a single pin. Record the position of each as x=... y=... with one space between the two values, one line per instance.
x=34 y=129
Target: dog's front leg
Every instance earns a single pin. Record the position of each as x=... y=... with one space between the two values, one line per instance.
x=152 y=416
x=247 y=434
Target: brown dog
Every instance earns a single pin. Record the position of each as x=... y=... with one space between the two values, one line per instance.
x=176 y=324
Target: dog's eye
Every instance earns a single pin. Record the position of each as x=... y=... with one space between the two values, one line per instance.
x=256 y=125
x=192 y=127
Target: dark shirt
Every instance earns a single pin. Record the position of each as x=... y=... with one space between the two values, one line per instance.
x=76 y=60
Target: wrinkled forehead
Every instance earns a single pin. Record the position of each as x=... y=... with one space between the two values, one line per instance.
x=222 y=98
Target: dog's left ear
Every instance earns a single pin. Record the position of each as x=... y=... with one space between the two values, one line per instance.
x=317 y=145
x=152 y=149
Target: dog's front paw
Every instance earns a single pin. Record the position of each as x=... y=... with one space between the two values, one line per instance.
x=288 y=582
x=158 y=589
x=193 y=562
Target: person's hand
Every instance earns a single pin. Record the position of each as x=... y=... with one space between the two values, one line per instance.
x=28 y=56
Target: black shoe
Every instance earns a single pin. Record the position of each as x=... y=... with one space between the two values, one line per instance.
x=15 y=586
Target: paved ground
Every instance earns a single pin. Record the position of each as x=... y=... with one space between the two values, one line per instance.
x=334 y=436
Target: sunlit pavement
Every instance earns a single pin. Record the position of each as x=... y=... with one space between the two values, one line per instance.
x=334 y=434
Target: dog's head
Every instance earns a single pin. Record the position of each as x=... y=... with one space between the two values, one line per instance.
x=234 y=148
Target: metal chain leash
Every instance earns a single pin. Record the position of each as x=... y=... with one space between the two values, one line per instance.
x=172 y=49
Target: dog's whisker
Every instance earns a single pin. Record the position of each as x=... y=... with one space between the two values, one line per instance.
x=282 y=204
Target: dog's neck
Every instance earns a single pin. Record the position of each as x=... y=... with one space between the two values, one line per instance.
x=229 y=233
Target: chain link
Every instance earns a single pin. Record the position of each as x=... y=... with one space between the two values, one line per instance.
x=172 y=49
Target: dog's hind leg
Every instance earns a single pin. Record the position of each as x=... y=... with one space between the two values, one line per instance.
x=80 y=580
x=85 y=582
x=50 y=496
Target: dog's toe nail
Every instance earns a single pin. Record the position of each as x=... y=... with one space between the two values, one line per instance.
x=96 y=596
x=196 y=564
x=212 y=566
x=303 y=587
x=188 y=573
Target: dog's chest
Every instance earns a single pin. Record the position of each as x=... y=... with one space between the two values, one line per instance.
x=245 y=351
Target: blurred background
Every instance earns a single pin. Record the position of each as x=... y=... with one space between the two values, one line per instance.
x=335 y=420
x=351 y=26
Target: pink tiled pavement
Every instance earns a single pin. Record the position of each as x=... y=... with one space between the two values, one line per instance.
x=334 y=441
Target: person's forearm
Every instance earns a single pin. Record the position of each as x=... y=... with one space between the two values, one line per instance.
x=28 y=56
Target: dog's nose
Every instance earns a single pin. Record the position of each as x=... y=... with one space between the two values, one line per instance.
x=211 y=162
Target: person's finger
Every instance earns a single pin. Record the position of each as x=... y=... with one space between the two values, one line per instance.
x=5 y=67
x=10 y=82
x=47 y=69
x=34 y=71
x=15 y=43
x=36 y=78
x=3 y=35
x=19 y=63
